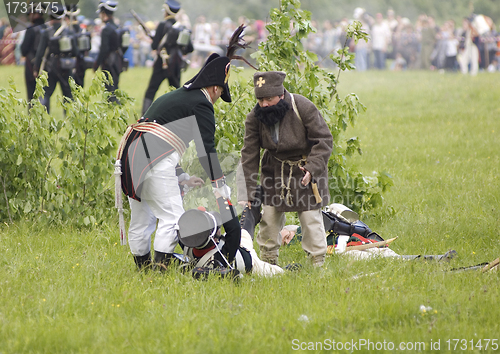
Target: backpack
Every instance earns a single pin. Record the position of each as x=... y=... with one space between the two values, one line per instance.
x=62 y=43
x=336 y=226
x=123 y=39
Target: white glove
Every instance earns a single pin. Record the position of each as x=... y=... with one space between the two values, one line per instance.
x=224 y=191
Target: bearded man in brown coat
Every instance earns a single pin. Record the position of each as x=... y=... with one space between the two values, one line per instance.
x=297 y=144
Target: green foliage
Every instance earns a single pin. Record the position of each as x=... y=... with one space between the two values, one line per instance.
x=60 y=169
x=27 y=147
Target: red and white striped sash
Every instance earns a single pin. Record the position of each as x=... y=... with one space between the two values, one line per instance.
x=156 y=129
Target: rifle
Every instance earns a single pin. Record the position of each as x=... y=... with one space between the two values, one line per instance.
x=141 y=22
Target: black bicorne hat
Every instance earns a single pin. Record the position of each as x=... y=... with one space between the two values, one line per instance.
x=215 y=72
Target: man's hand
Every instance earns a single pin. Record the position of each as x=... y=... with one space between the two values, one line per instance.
x=224 y=191
x=193 y=182
x=287 y=234
x=307 y=176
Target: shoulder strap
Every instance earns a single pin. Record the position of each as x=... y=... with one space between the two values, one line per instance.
x=208 y=256
x=163 y=40
x=295 y=106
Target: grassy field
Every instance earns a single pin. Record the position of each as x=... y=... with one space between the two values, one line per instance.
x=74 y=291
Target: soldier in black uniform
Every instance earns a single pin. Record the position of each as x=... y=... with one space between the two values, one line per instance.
x=82 y=40
x=110 y=56
x=30 y=45
x=56 y=54
x=171 y=42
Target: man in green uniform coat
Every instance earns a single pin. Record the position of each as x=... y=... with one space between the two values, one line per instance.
x=150 y=152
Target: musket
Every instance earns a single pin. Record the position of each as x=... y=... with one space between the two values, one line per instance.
x=370 y=245
x=492 y=266
x=141 y=22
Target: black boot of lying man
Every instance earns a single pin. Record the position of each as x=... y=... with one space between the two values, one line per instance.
x=163 y=261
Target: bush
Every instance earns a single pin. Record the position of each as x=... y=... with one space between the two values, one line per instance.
x=60 y=170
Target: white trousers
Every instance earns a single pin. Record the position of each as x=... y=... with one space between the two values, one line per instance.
x=470 y=55
x=160 y=201
x=259 y=267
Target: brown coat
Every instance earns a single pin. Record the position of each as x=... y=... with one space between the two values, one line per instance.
x=307 y=136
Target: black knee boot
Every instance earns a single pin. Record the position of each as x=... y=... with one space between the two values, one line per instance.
x=143 y=262
x=145 y=105
x=251 y=214
x=163 y=260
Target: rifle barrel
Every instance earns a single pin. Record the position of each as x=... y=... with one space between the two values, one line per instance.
x=141 y=23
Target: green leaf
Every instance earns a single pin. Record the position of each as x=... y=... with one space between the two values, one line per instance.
x=27 y=207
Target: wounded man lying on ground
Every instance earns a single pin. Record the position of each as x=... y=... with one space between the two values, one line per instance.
x=347 y=235
x=205 y=247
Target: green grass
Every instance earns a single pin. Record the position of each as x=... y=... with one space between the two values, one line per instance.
x=76 y=291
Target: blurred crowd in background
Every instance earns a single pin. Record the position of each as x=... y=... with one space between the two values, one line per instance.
x=395 y=42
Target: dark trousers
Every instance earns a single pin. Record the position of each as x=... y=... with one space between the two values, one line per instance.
x=114 y=71
x=451 y=63
x=159 y=74
x=79 y=74
x=54 y=77
x=29 y=79
x=379 y=59
x=173 y=76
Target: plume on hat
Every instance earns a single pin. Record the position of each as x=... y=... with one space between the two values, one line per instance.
x=237 y=42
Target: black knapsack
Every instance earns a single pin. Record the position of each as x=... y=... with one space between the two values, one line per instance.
x=335 y=226
x=123 y=39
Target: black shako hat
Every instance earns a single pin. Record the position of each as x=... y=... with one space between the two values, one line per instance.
x=72 y=8
x=197 y=226
x=57 y=11
x=107 y=6
x=173 y=6
x=215 y=72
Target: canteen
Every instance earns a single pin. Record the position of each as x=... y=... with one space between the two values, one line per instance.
x=184 y=36
x=65 y=44
x=83 y=43
x=125 y=39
